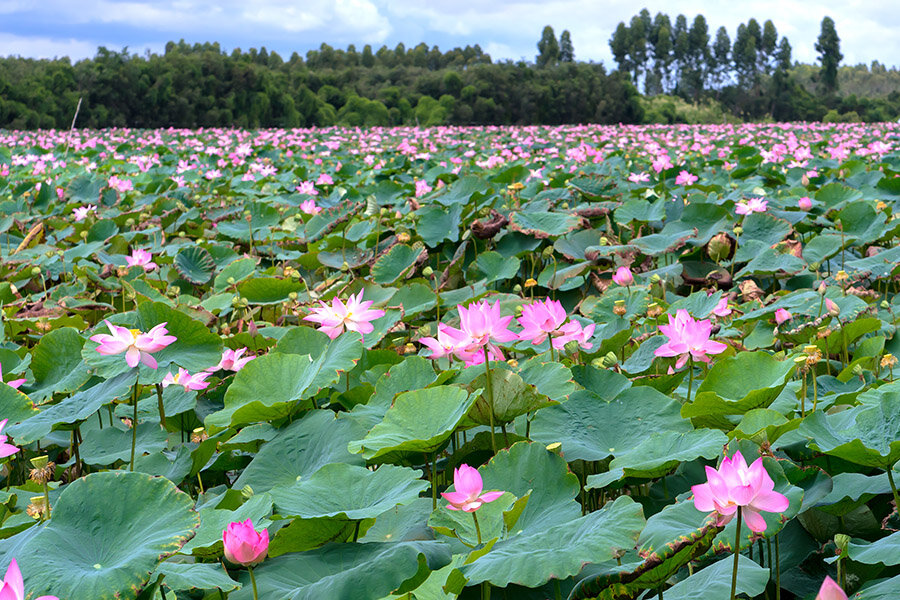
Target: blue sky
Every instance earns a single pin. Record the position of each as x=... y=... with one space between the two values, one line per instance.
x=506 y=29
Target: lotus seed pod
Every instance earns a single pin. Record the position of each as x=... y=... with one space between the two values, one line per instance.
x=292 y=296
x=129 y=222
x=738 y=230
x=247 y=492
x=83 y=234
x=345 y=267
x=571 y=347
x=427 y=272
x=517 y=289
x=35 y=270
x=842 y=540
x=403 y=237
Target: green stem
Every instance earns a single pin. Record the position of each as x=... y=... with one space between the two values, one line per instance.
x=485 y=589
x=489 y=390
x=434 y=482
x=690 y=378
x=477 y=528
x=253 y=581
x=777 y=570
x=815 y=390
x=556 y=589
x=134 y=401
x=737 y=552
x=46 y=514
x=162 y=409
x=893 y=487
x=802 y=393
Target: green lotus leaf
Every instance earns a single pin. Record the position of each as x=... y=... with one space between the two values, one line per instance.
x=347 y=571
x=106 y=550
x=418 y=422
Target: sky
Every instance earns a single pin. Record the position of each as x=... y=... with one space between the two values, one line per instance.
x=506 y=29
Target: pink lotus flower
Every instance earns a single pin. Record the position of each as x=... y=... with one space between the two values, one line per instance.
x=422 y=187
x=721 y=309
x=449 y=340
x=830 y=590
x=186 y=380
x=623 y=276
x=244 y=545
x=573 y=330
x=324 y=179
x=5 y=449
x=231 y=361
x=745 y=207
x=13 y=587
x=831 y=306
x=781 y=315
x=82 y=212
x=468 y=485
x=735 y=485
x=121 y=185
x=805 y=203
x=639 y=177
x=541 y=319
x=355 y=315
x=136 y=345
x=484 y=326
x=309 y=207
x=685 y=178
x=14 y=383
x=307 y=187
x=688 y=338
x=141 y=258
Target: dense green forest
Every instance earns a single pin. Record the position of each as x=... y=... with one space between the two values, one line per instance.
x=685 y=74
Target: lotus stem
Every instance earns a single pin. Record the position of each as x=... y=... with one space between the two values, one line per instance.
x=162 y=409
x=477 y=528
x=737 y=552
x=815 y=391
x=803 y=393
x=893 y=486
x=777 y=570
x=434 y=482
x=253 y=581
x=690 y=377
x=134 y=423
x=489 y=390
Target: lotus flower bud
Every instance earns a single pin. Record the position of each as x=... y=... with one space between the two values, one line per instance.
x=833 y=309
x=805 y=203
x=244 y=545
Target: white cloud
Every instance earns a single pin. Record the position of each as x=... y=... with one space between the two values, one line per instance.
x=44 y=47
x=507 y=29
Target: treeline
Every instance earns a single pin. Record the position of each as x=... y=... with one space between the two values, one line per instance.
x=752 y=77
x=201 y=86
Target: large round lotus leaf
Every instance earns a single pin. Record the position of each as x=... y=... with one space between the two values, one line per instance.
x=269 y=386
x=109 y=531
x=56 y=363
x=418 y=422
x=15 y=406
x=346 y=571
x=866 y=434
x=736 y=385
x=560 y=551
x=196 y=576
x=394 y=263
x=196 y=348
x=349 y=491
x=582 y=423
x=661 y=453
x=195 y=264
x=301 y=449
x=885 y=551
x=530 y=468
x=715 y=581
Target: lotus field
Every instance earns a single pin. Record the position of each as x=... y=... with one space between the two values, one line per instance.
x=520 y=363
